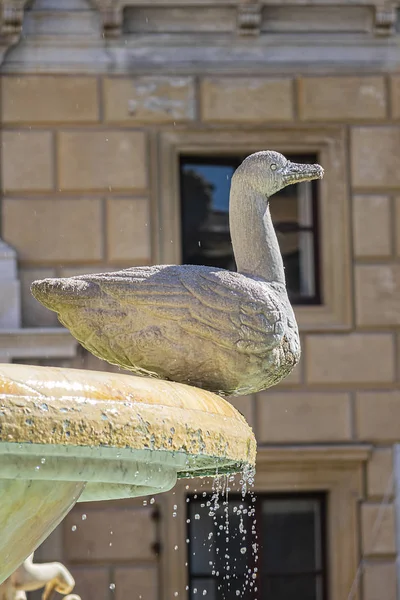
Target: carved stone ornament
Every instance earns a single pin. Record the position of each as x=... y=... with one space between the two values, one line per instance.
x=249 y=18
x=111 y=13
x=11 y=18
x=53 y=577
x=385 y=20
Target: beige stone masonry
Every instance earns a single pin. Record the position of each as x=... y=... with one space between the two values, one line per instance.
x=377 y=416
x=395 y=96
x=35 y=314
x=347 y=359
x=294 y=378
x=134 y=533
x=246 y=406
x=143 y=580
x=372 y=226
x=102 y=160
x=52 y=230
x=246 y=99
x=128 y=230
x=380 y=581
x=377 y=540
x=26 y=161
x=303 y=417
x=91 y=582
x=375 y=155
x=342 y=98
x=49 y=99
x=377 y=294
x=380 y=473
x=149 y=99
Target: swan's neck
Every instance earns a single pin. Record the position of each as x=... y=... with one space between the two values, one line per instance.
x=254 y=240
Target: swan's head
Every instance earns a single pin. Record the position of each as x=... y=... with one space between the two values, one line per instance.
x=268 y=172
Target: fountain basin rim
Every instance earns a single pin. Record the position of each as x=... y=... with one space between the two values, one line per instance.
x=67 y=407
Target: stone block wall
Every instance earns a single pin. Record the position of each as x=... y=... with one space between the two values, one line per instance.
x=80 y=182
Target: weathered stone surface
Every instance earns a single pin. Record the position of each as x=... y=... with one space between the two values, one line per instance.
x=379 y=580
x=303 y=417
x=49 y=99
x=27 y=161
x=350 y=358
x=377 y=416
x=102 y=160
x=377 y=540
x=342 y=98
x=128 y=230
x=149 y=99
x=246 y=99
x=380 y=472
x=374 y=156
x=377 y=294
x=59 y=230
x=372 y=226
x=143 y=580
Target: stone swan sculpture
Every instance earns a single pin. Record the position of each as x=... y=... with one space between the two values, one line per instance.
x=232 y=333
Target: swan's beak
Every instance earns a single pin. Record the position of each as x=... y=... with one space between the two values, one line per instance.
x=296 y=172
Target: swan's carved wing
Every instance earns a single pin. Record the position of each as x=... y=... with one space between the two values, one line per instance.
x=225 y=307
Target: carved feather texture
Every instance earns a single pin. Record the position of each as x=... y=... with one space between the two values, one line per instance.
x=147 y=320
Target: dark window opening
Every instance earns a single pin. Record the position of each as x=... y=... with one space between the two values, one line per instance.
x=292 y=548
x=205 y=186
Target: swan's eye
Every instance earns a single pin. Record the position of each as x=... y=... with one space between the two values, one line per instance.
x=273 y=167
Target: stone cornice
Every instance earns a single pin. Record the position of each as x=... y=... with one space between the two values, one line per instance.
x=245 y=48
x=36 y=343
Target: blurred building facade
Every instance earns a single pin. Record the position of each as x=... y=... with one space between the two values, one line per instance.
x=100 y=104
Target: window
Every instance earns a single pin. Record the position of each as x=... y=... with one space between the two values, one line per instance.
x=205 y=185
x=291 y=561
x=333 y=274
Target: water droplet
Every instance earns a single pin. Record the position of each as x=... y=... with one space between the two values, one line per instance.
x=83 y=517
x=243 y=550
x=73 y=528
x=112 y=586
x=42 y=460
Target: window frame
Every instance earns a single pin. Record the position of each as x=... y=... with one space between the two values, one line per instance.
x=334 y=470
x=314 y=229
x=320 y=497
x=336 y=312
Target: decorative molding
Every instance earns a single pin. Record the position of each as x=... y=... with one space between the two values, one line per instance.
x=11 y=19
x=249 y=18
x=385 y=20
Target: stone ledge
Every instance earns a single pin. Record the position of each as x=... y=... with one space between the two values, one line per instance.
x=36 y=343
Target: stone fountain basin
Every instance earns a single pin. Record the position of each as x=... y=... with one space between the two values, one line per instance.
x=69 y=435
